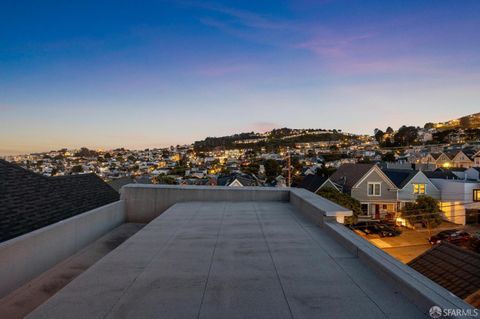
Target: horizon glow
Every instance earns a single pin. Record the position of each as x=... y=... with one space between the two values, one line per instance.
x=154 y=74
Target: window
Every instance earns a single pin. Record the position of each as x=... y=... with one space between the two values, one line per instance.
x=476 y=195
x=374 y=189
x=419 y=188
x=365 y=209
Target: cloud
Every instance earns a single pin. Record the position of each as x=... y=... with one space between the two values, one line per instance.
x=248 y=18
x=333 y=46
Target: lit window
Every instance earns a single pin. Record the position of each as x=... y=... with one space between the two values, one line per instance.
x=419 y=188
x=373 y=189
x=476 y=195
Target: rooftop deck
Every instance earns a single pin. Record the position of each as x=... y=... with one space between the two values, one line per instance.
x=229 y=259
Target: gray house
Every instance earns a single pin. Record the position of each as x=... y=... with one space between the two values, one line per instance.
x=368 y=184
x=411 y=184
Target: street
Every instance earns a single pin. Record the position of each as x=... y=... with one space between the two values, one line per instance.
x=412 y=243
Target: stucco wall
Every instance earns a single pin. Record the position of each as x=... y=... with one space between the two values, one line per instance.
x=27 y=256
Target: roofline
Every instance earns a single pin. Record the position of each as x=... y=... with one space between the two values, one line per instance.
x=424 y=176
x=331 y=182
x=370 y=172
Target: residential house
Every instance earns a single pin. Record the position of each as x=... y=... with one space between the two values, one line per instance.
x=463 y=159
x=368 y=184
x=473 y=174
x=315 y=183
x=443 y=160
x=459 y=200
x=411 y=184
x=429 y=158
x=237 y=180
x=476 y=159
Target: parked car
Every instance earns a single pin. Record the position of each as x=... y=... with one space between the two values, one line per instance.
x=376 y=228
x=453 y=236
x=475 y=242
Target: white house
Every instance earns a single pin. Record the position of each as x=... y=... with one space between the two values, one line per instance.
x=459 y=200
x=473 y=174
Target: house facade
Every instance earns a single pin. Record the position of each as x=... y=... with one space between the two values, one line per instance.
x=476 y=159
x=376 y=193
x=383 y=193
x=443 y=160
x=367 y=183
x=462 y=160
x=416 y=185
x=459 y=200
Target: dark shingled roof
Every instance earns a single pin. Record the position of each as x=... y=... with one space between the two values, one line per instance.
x=452 y=267
x=347 y=175
x=29 y=201
x=400 y=177
x=441 y=173
x=312 y=182
x=244 y=179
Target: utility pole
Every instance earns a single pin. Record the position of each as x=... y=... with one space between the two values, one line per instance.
x=289 y=163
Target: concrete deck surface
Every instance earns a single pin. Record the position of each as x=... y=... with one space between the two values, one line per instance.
x=229 y=260
x=26 y=298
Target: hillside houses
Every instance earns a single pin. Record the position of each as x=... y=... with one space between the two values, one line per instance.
x=464 y=158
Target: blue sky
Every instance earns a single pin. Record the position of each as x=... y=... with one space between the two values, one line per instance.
x=154 y=73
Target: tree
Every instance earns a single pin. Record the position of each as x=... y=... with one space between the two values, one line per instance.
x=389 y=157
x=379 y=135
x=343 y=200
x=251 y=168
x=85 y=152
x=77 y=169
x=325 y=171
x=406 y=135
x=162 y=179
x=272 y=168
x=424 y=210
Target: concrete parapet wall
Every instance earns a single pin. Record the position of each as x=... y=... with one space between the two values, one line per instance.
x=315 y=207
x=422 y=291
x=25 y=257
x=146 y=202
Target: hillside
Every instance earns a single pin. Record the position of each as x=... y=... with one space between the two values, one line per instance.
x=271 y=140
x=471 y=121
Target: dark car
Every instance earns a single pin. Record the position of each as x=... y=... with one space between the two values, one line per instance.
x=375 y=228
x=453 y=236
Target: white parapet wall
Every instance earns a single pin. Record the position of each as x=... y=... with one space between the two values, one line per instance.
x=25 y=257
x=316 y=208
x=145 y=202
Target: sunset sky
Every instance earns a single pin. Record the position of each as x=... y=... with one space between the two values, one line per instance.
x=155 y=73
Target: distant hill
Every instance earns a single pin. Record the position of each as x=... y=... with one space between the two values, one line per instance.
x=471 y=121
x=270 y=140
